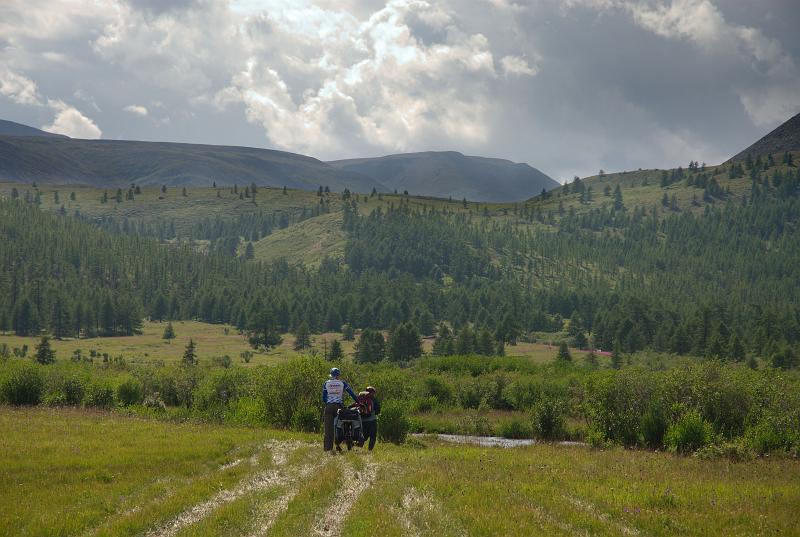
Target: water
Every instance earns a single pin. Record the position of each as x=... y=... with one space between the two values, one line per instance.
x=489 y=441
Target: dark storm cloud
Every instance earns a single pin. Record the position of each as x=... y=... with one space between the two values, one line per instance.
x=568 y=86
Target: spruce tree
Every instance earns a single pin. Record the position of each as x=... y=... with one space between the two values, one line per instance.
x=348 y=334
x=169 y=332
x=302 y=337
x=189 y=354
x=563 y=355
x=336 y=353
x=44 y=352
x=370 y=347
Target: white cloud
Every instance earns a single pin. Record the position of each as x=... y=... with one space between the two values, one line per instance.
x=18 y=88
x=136 y=109
x=71 y=122
x=514 y=65
x=338 y=83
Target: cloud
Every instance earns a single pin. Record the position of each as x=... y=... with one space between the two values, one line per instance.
x=136 y=109
x=514 y=65
x=371 y=84
x=71 y=122
x=18 y=88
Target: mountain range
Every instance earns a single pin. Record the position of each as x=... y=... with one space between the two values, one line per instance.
x=28 y=154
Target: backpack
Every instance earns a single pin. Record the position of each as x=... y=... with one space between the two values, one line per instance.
x=365 y=403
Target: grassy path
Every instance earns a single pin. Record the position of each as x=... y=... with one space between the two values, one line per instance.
x=70 y=472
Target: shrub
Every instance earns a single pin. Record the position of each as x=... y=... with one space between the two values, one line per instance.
x=307 y=419
x=653 y=427
x=515 y=428
x=65 y=390
x=247 y=411
x=394 y=423
x=423 y=404
x=766 y=436
x=99 y=394
x=690 y=433
x=129 y=392
x=221 y=361
x=219 y=388
x=289 y=386
x=23 y=386
x=437 y=388
x=547 y=418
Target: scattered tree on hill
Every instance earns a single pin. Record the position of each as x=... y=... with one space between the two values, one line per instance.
x=44 y=352
x=485 y=343
x=616 y=355
x=183 y=192
x=348 y=334
x=263 y=331
x=189 y=354
x=443 y=345
x=563 y=355
x=169 y=332
x=336 y=353
x=370 y=347
x=618 y=204
x=405 y=343
x=249 y=251
x=465 y=341
x=302 y=337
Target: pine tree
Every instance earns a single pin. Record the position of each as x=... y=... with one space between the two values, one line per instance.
x=443 y=344
x=302 y=337
x=44 y=352
x=336 y=353
x=486 y=345
x=169 y=332
x=348 y=334
x=189 y=354
x=249 y=251
x=616 y=355
x=465 y=342
x=618 y=204
x=405 y=343
x=370 y=347
x=563 y=355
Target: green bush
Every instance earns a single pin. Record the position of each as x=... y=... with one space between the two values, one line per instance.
x=423 y=404
x=219 y=388
x=766 y=436
x=394 y=423
x=99 y=394
x=129 y=392
x=690 y=433
x=307 y=419
x=436 y=387
x=22 y=386
x=65 y=389
x=247 y=411
x=515 y=428
x=292 y=385
x=653 y=427
x=547 y=419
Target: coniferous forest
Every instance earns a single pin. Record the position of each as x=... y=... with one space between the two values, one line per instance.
x=719 y=280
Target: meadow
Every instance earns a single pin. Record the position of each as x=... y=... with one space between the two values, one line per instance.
x=99 y=473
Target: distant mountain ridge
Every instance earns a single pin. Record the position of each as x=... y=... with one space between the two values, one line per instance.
x=12 y=128
x=449 y=173
x=29 y=154
x=784 y=138
x=118 y=163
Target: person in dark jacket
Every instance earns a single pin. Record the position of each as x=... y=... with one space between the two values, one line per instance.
x=333 y=398
x=370 y=421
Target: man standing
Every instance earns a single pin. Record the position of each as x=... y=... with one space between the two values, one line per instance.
x=370 y=421
x=333 y=399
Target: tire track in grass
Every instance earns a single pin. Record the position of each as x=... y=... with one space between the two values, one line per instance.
x=277 y=476
x=591 y=509
x=355 y=482
x=273 y=509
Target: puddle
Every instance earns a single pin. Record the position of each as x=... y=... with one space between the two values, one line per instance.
x=489 y=441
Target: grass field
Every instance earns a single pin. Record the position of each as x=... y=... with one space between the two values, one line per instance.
x=72 y=472
x=214 y=340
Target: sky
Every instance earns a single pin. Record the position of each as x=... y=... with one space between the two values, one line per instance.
x=568 y=86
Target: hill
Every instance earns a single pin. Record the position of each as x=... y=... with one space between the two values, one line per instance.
x=785 y=138
x=449 y=173
x=118 y=163
x=10 y=128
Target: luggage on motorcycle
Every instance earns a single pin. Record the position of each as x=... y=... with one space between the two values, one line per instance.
x=365 y=404
x=348 y=414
